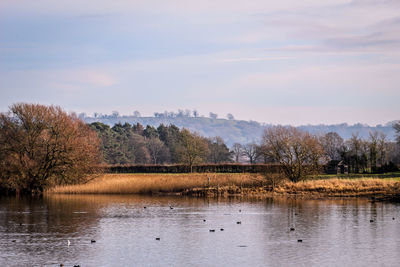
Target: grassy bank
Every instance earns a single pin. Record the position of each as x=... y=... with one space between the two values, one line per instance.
x=202 y=184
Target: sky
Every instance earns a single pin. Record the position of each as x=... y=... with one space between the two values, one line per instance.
x=280 y=62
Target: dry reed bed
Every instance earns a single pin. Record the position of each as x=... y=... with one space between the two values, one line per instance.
x=227 y=184
x=362 y=186
x=154 y=183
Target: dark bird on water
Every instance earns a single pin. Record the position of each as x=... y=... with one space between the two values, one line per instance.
x=371 y=220
x=292 y=229
x=222 y=229
x=299 y=240
x=239 y=222
x=157 y=238
x=92 y=241
x=212 y=230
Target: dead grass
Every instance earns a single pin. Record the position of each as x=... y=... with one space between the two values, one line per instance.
x=340 y=187
x=203 y=184
x=155 y=183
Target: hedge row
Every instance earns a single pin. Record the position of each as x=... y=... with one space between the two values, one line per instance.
x=179 y=168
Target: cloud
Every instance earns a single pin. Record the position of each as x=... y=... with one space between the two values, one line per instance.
x=348 y=27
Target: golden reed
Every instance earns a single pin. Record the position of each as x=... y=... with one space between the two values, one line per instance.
x=226 y=184
x=155 y=183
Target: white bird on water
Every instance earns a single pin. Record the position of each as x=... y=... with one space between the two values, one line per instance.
x=69 y=243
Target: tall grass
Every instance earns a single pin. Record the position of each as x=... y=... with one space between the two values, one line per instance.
x=334 y=186
x=219 y=183
x=153 y=183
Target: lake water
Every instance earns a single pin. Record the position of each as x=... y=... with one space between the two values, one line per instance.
x=35 y=232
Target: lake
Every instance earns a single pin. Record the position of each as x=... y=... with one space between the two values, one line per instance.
x=248 y=232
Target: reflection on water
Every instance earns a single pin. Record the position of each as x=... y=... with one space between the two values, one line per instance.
x=35 y=232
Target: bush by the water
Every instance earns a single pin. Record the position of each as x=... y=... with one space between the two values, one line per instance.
x=42 y=146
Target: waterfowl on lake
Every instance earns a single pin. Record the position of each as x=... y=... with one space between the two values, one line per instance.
x=212 y=230
x=69 y=243
x=92 y=241
x=204 y=220
x=371 y=220
x=291 y=229
x=299 y=240
x=222 y=229
x=157 y=238
x=239 y=222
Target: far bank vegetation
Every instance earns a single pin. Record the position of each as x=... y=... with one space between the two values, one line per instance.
x=43 y=146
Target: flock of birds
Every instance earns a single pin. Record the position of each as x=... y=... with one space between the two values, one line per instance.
x=204 y=220
x=211 y=231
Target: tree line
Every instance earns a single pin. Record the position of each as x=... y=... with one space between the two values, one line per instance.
x=136 y=144
x=299 y=152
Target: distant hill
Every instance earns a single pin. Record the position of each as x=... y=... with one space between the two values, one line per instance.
x=239 y=131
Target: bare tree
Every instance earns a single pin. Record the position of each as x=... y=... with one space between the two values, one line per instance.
x=299 y=153
x=219 y=152
x=263 y=151
x=382 y=147
x=157 y=149
x=43 y=146
x=250 y=151
x=237 y=150
x=356 y=150
x=192 y=149
x=332 y=143
x=373 y=149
